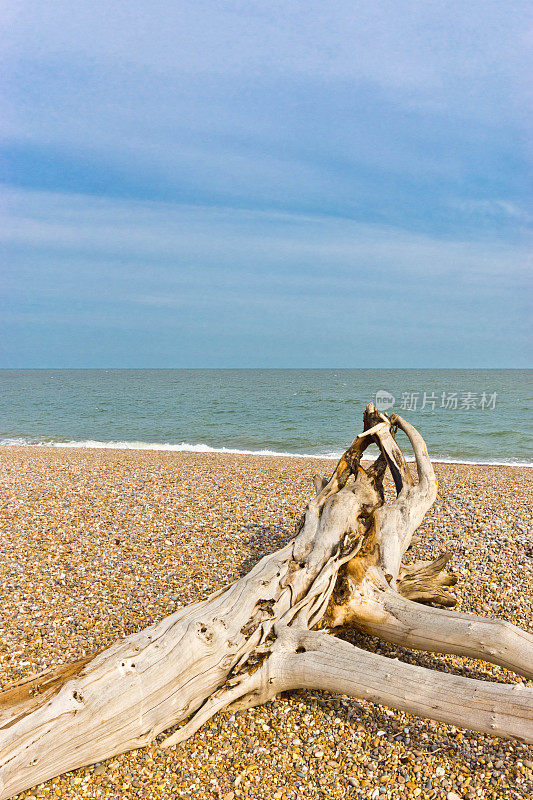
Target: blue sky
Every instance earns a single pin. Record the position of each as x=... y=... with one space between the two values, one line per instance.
x=251 y=184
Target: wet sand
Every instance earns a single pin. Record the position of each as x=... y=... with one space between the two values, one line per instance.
x=96 y=544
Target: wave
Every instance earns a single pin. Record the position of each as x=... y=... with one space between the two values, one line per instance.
x=186 y=447
x=182 y=447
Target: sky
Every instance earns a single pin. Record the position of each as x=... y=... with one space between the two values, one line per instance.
x=250 y=184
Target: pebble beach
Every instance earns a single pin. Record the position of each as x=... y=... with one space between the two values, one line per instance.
x=96 y=544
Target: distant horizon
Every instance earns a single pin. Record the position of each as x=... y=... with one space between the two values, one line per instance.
x=273 y=369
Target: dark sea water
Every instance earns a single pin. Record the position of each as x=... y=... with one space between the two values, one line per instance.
x=481 y=416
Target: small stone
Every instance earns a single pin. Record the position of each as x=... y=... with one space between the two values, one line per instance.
x=92 y=497
x=229 y=796
x=453 y=796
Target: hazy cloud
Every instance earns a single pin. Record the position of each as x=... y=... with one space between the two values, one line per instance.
x=251 y=179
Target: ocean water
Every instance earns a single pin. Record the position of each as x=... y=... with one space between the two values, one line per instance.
x=479 y=416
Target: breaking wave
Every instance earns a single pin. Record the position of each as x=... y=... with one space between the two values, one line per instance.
x=187 y=447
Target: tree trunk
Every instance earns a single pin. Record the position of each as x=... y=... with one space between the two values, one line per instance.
x=270 y=631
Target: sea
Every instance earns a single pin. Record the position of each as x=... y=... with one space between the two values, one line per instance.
x=465 y=416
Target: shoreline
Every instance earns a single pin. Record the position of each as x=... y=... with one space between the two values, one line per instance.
x=185 y=447
x=98 y=543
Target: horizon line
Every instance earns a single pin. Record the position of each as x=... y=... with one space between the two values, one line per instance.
x=242 y=369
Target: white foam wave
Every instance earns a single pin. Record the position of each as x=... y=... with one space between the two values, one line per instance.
x=181 y=447
x=186 y=447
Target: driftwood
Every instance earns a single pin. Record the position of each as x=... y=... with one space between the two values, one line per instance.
x=270 y=632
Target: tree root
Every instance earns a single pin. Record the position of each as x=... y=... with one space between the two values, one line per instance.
x=311 y=660
x=424 y=582
x=435 y=630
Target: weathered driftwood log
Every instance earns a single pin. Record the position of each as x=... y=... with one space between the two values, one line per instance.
x=270 y=631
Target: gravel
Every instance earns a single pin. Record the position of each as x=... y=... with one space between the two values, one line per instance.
x=95 y=544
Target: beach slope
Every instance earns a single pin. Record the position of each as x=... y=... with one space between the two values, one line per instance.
x=99 y=543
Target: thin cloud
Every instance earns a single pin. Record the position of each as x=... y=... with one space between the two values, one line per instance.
x=240 y=177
